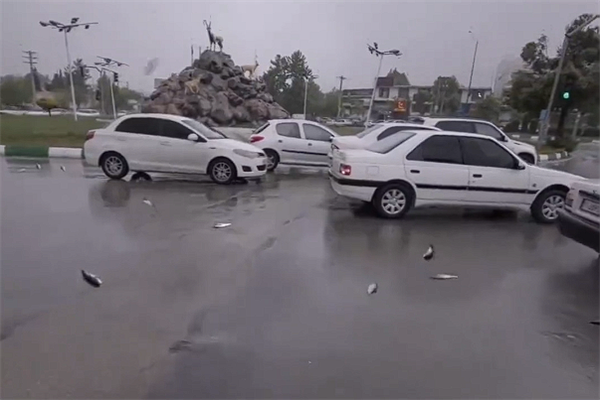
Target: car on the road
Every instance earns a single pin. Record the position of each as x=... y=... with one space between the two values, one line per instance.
x=295 y=142
x=580 y=219
x=375 y=133
x=173 y=144
x=438 y=168
x=526 y=151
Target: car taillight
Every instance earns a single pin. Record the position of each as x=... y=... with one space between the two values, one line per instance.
x=256 y=138
x=345 y=169
x=89 y=135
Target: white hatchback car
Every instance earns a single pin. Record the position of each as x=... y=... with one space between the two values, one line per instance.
x=374 y=134
x=294 y=141
x=412 y=169
x=580 y=220
x=170 y=143
x=526 y=151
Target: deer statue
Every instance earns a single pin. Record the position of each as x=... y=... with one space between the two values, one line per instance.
x=214 y=40
x=251 y=69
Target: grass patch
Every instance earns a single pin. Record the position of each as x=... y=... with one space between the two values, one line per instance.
x=347 y=130
x=546 y=149
x=57 y=131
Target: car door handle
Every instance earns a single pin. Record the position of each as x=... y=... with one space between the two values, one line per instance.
x=121 y=139
x=280 y=141
x=165 y=143
x=477 y=175
x=310 y=144
x=415 y=171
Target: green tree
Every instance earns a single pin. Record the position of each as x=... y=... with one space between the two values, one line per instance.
x=531 y=89
x=421 y=101
x=15 y=90
x=47 y=103
x=446 y=94
x=80 y=77
x=488 y=109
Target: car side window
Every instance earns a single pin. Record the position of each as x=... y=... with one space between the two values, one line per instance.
x=488 y=130
x=174 y=130
x=456 y=126
x=145 y=126
x=388 y=132
x=486 y=153
x=288 y=129
x=441 y=149
x=313 y=132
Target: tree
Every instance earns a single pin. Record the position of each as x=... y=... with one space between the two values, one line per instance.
x=446 y=94
x=421 y=101
x=15 y=90
x=58 y=82
x=488 y=109
x=531 y=88
x=47 y=103
x=80 y=76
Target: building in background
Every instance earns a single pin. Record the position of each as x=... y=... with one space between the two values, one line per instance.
x=503 y=76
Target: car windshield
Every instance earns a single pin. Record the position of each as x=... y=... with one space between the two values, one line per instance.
x=206 y=131
x=368 y=130
x=391 y=142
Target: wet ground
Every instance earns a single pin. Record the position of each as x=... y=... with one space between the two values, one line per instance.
x=276 y=305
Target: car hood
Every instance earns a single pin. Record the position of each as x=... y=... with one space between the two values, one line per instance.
x=347 y=142
x=523 y=145
x=230 y=144
x=560 y=176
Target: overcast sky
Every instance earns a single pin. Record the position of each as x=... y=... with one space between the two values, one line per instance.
x=433 y=36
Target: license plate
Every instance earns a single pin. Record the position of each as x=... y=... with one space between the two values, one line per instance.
x=590 y=206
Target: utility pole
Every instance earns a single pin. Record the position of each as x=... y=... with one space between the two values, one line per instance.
x=472 y=66
x=342 y=78
x=30 y=57
x=374 y=49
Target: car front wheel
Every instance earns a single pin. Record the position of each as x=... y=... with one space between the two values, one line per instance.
x=114 y=165
x=393 y=200
x=546 y=207
x=222 y=171
x=272 y=159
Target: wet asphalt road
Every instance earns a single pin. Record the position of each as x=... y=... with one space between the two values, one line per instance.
x=275 y=305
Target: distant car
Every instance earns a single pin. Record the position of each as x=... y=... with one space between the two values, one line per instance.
x=374 y=134
x=170 y=143
x=580 y=218
x=526 y=151
x=342 y=122
x=296 y=142
x=430 y=168
x=87 y=112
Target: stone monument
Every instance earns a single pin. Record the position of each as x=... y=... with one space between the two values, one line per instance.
x=216 y=92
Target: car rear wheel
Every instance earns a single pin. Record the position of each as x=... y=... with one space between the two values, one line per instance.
x=393 y=200
x=546 y=207
x=528 y=158
x=114 y=165
x=222 y=171
x=272 y=159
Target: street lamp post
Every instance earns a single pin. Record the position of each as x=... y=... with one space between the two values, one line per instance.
x=66 y=28
x=103 y=64
x=305 y=94
x=546 y=122
x=374 y=49
x=472 y=65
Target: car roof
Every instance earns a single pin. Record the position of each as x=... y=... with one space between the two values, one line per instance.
x=408 y=124
x=432 y=120
x=450 y=133
x=292 y=120
x=172 y=117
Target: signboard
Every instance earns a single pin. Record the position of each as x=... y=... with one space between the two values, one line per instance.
x=401 y=105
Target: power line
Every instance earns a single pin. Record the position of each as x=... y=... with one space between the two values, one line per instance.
x=342 y=78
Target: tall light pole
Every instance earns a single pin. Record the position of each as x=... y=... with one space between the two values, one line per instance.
x=342 y=78
x=111 y=62
x=546 y=123
x=374 y=49
x=472 y=65
x=66 y=28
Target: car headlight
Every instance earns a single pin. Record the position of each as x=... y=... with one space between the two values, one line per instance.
x=246 y=153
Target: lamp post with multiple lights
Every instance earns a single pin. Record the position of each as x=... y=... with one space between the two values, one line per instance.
x=66 y=28
x=374 y=49
x=102 y=66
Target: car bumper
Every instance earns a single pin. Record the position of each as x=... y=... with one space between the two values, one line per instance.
x=579 y=229
x=249 y=168
x=341 y=187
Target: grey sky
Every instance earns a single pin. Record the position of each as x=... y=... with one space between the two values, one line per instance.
x=432 y=35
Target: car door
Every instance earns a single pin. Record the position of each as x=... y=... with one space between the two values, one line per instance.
x=436 y=168
x=293 y=146
x=137 y=138
x=493 y=174
x=179 y=154
x=318 y=143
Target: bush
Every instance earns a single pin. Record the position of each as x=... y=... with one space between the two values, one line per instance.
x=563 y=143
x=512 y=126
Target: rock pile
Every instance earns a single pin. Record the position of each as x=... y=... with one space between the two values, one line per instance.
x=215 y=91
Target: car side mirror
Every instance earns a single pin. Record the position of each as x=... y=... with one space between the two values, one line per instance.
x=519 y=165
x=193 y=137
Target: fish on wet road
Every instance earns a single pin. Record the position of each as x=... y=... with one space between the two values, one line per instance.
x=372 y=288
x=221 y=225
x=429 y=253
x=444 y=276
x=92 y=279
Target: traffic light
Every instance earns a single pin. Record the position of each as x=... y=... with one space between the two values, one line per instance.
x=116 y=77
x=566 y=95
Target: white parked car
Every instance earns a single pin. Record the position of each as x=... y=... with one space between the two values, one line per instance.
x=170 y=143
x=342 y=122
x=374 y=134
x=580 y=220
x=296 y=142
x=413 y=169
x=526 y=151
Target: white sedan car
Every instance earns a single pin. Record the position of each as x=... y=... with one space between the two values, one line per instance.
x=170 y=143
x=294 y=141
x=413 y=169
x=374 y=134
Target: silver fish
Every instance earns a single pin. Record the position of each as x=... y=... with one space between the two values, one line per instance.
x=372 y=288
x=444 y=276
x=38 y=166
x=62 y=168
x=597 y=322
x=221 y=225
x=148 y=202
x=22 y=170
x=429 y=253
x=92 y=279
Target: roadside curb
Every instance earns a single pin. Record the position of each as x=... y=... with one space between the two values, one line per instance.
x=555 y=156
x=40 y=152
